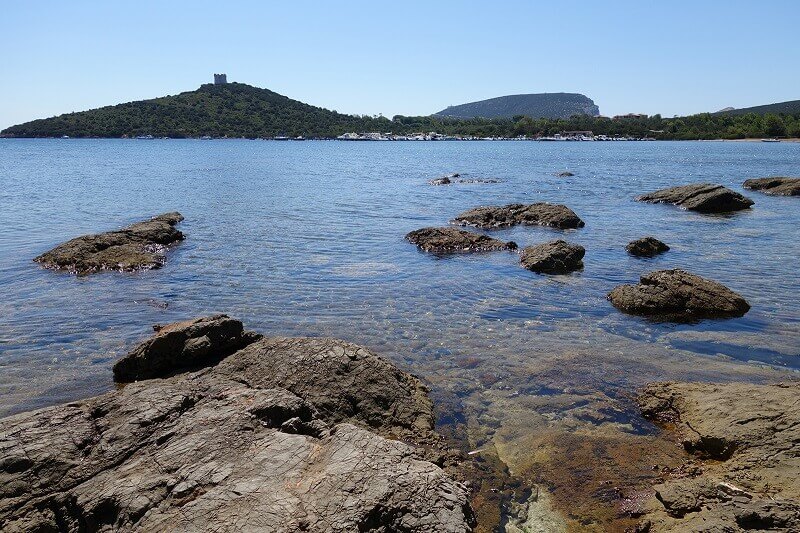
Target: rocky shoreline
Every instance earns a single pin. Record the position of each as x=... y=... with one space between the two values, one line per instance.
x=284 y=434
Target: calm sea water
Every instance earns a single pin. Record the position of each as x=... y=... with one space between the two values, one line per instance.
x=306 y=238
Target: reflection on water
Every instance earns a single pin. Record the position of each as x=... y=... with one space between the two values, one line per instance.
x=307 y=239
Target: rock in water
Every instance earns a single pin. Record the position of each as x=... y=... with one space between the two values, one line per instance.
x=233 y=448
x=445 y=180
x=182 y=346
x=140 y=246
x=777 y=186
x=678 y=295
x=646 y=247
x=452 y=240
x=539 y=214
x=701 y=197
x=751 y=434
x=554 y=257
x=565 y=174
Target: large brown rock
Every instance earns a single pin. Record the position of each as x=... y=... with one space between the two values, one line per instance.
x=140 y=246
x=453 y=240
x=284 y=435
x=554 y=257
x=183 y=345
x=700 y=197
x=745 y=441
x=678 y=295
x=778 y=186
x=539 y=214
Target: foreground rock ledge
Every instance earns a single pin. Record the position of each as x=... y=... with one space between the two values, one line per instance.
x=776 y=186
x=701 y=197
x=286 y=434
x=678 y=295
x=140 y=246
x=751 y=436
x=453 y=240
x=554 y=257
x=539 y=214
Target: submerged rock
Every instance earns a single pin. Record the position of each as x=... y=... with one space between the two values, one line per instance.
x=678 y=295
x=646 y=247
x=777 y=186
x=751 y=435
x=554 y=257
x=287 y=434
x=539 y=214
x=565 y=174
x=140 y=246
x=183 y=345
x=452 y=240
x=701 y=197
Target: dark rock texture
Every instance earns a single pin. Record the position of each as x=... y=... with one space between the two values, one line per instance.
x=539 y=214
x=678 y=295
x=747 y=440
x=701 y=197
x=183 y=345
x=452 y=240
x=554 y=257
x=777 y=186
x=444 y=180
x=287 y=434
x=140 y=246
x=646 y=247
x=565 y=174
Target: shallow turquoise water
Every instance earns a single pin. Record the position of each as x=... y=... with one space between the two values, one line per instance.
x=306 y=238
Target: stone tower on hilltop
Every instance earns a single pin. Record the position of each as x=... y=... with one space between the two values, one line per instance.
x=220 y=79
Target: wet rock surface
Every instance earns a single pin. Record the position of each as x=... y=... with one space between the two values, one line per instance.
x=183 y=345
x=678 y=295
x=448 y=240
x=140 y=246
x=554 y=257
x=777 y=186
x=701 y=197
x=646 y=247
x=538 y=214
x=288 y=434
x=744 y=440
x=565 y=174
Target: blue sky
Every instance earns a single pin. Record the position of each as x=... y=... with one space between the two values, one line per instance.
x=408 y=57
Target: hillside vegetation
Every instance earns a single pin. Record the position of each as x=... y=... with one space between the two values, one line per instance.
x=239 y=110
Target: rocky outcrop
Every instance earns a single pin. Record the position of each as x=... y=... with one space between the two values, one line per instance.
x=287 y=434
x=701 y=197
x=646 y=247
x=744 y=441
x=453 y=240
x=140 y=246
x=777 y=186
x=184 y=345
x=539 y=214
x=554 y=257
x=678 y=295
x=565 y=174
x=454 y=178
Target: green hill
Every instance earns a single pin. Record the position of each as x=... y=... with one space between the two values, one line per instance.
x=545 y=105
x=232 y=110
x=791 y=107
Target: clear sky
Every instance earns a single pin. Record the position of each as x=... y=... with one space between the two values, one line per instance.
x=409 y=57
